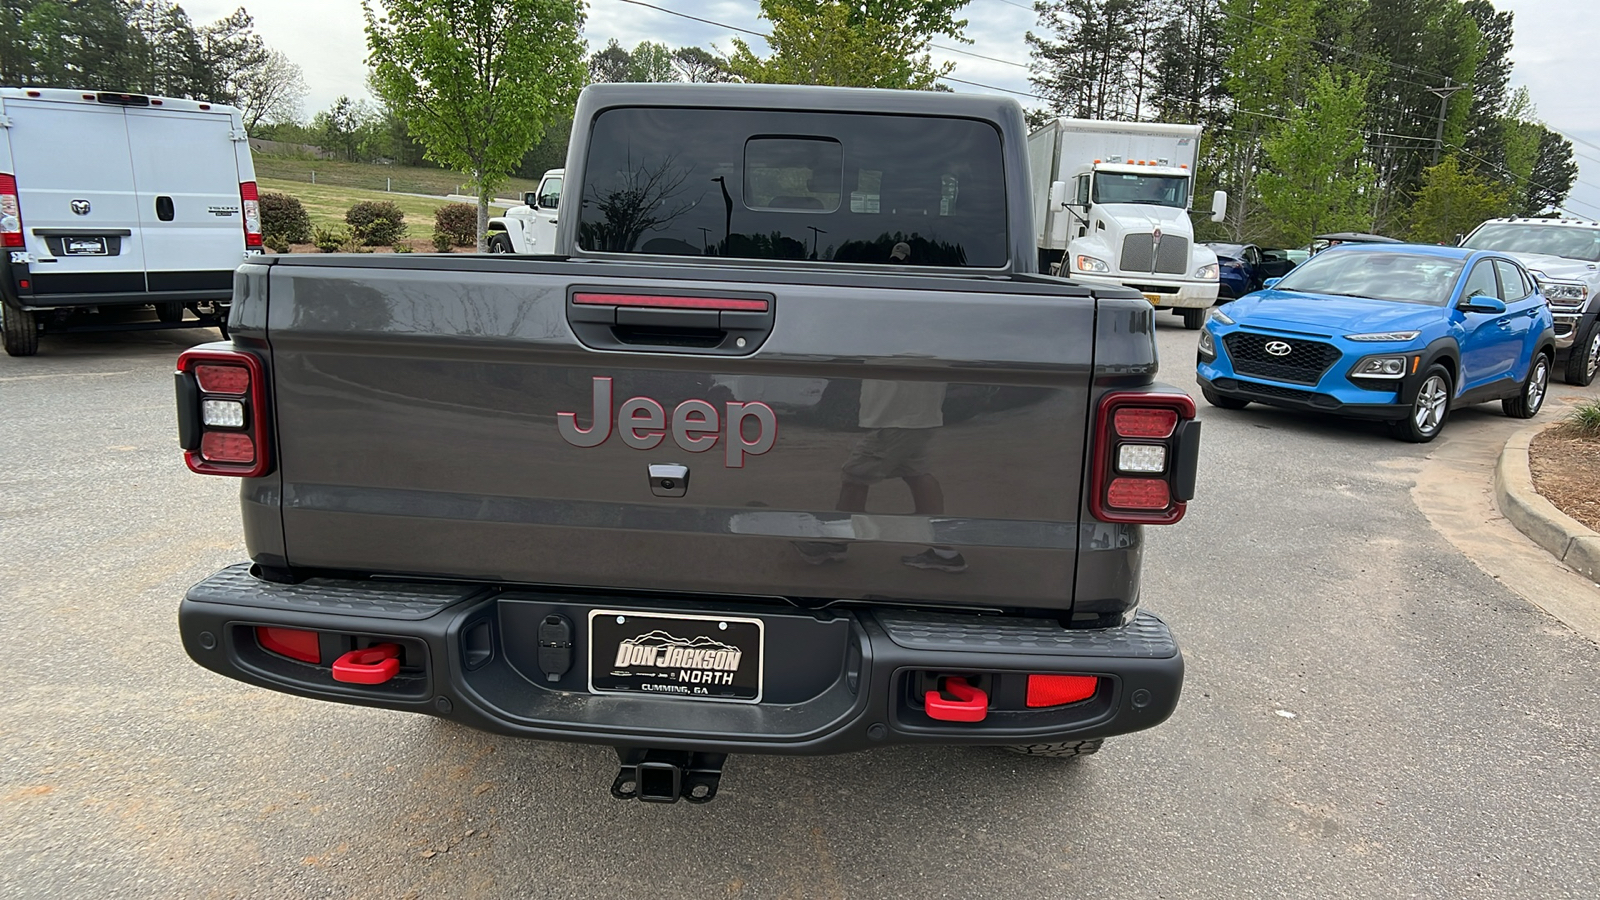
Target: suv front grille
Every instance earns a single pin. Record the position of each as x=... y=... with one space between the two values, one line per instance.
x=1305 y=363
x=1171 y=259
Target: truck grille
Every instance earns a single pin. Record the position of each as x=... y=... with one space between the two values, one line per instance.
x=1173 y=258
x=1305 y=362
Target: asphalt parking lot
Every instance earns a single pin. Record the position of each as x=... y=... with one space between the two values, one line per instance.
x=1368 y=711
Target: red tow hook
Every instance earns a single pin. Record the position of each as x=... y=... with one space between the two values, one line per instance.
x=970 y=705
x=371 y=665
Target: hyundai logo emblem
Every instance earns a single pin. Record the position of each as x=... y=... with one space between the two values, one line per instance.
x=1278 y=348
x=81 y=207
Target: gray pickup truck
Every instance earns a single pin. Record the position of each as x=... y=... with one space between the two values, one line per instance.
x=789 y=450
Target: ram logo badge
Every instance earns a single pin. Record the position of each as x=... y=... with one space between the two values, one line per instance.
x=695 y=425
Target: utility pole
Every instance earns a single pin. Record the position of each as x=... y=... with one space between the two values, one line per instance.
x=1443 y=93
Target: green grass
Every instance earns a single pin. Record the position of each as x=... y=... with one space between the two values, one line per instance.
x=373 y=177
x=1585 y=419
x=326 y=203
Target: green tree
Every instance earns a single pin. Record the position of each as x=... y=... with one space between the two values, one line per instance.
x=1096 y=64
x=699 y=65
x=1318 y=177
x=477 y=81
x=1554 y=171
x=859 y=43
x=1452 y=201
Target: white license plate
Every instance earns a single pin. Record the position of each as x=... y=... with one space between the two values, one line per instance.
x=86 y=246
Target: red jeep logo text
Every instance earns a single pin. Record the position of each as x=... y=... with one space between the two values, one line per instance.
x=695 y=426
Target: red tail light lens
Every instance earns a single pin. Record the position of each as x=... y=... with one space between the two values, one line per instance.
x=250 y=202
x=10 y=212
x=223 y=413
x=1138 y=493
x=1059 y=690
x=291 y=642
x=1143 y=458
x=1145 y=423
x=223 y=379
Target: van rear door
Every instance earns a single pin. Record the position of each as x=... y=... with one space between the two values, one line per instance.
x=187 y=177
x=75 y=187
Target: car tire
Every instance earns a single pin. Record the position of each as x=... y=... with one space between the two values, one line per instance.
x=1193 y=318
x=170 y=313
x=1222 y=401
x=1530 y=399
x=20 y=329
x=1062 y=750
x=500 y=242
x=1429 y=410
x=1585 y=358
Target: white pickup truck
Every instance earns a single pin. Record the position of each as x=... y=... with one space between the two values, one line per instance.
x=531 y=227
x=1564 y=256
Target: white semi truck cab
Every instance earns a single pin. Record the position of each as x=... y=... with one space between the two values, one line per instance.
x=531 y=227
x=1111 y=205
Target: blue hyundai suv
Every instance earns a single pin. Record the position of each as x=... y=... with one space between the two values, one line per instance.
x=1398 y=332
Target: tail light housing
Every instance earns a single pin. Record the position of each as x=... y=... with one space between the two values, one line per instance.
x=222 y=413
x=1146 y=451
x=250 y=202
x=10 y=213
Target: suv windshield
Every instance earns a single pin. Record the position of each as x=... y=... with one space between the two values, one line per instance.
x=755 y=184
x=1151 y=190
x=1550 y=240
x=1402 y=277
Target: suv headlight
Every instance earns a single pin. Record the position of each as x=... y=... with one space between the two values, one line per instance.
x=1208 y=344
x=1090 y=264
x=1207 y=272
x=1381 y=367
x=1567 y=293
x=1394 y=337
x=1216 y=315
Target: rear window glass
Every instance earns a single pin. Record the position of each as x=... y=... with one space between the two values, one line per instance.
x=752 y=184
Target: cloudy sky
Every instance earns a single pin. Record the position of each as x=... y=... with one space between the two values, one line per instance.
x=1554 y=40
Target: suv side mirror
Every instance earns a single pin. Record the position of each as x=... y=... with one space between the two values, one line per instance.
x=1481 y=304
x=530 y=198
x=1219 y=206
x=1270 y=283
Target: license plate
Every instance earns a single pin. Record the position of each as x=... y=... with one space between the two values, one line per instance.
x=86 y=246
x=1153 y=298
x=698 y=657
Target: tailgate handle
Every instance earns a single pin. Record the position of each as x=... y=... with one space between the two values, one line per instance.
x=730 y=324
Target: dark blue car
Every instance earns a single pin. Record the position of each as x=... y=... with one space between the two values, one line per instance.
x=1398 y=332
x=1242 y=268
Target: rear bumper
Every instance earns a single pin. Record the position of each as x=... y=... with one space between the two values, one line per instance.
x=836 y=681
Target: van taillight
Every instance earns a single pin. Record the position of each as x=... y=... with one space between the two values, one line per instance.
x=1146 y=450
x=250 y=202
x=222 y=413
x=10 y=212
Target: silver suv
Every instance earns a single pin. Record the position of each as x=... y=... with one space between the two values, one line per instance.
x=1564 y=255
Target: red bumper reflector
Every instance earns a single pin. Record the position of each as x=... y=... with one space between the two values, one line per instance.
x=1135 y=493
x=290 y=642
x=221 y=447
x=1059 y=690
x=970 y=705
x=373 y=665
x=1134 y=422
x=222 y=379
x=641 y=300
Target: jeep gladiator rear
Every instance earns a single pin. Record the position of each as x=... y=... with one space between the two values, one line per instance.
x=790 y=451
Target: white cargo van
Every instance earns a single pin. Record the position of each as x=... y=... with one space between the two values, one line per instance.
x=113 y=199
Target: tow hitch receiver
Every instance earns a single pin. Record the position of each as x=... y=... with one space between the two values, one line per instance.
x=665 y=776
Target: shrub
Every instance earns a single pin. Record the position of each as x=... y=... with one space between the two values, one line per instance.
x=283 y=216
x=1585 y=419
x=402 y=248
x=331 y=240
x=457 y=221
x=442 y=242
x=377 y=222
x=277 y=243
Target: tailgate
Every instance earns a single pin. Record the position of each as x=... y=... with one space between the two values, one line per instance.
x=445 y=423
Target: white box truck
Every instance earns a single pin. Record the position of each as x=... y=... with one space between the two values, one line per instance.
x=1111 y=205
x=115 y=200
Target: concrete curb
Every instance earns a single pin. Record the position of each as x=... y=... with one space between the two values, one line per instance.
x=1564 y=537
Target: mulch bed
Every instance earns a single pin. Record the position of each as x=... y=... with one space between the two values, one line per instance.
x=1566 y=470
